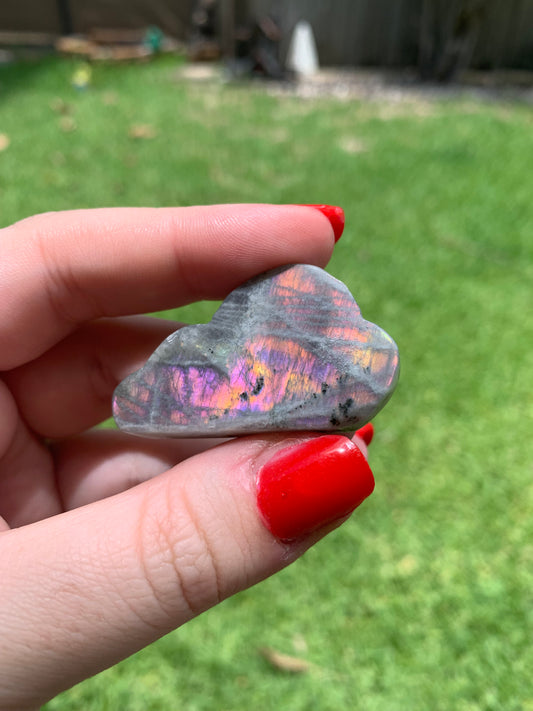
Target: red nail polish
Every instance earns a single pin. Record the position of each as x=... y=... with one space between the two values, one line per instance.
x=335 y=215
x=366 y=433
x=307 y=486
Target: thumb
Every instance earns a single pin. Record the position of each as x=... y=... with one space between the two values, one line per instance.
x=84 y=589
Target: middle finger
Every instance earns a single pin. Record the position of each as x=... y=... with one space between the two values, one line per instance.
x=69 y=388
x=102 y=463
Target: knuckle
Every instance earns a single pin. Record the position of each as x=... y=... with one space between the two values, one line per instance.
x=178 y=561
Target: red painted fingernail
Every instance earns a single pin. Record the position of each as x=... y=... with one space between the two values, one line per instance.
x=335 y=215
x=366 y=433
x=309 y=485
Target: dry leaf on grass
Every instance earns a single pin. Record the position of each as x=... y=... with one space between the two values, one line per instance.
x=142 y=130
x=284 y=662
x=4 y=141
x=60 y=106
x=67 y=124
x=299 y=644
x=110 y=98
x=353 y=145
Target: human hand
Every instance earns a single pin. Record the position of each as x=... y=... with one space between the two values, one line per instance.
x=98 y=555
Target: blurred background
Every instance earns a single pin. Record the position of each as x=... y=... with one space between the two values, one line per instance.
x=416 y=116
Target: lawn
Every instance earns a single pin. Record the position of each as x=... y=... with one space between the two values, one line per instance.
x=424 y=600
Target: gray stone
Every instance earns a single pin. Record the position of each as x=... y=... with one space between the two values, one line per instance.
x=288 y=350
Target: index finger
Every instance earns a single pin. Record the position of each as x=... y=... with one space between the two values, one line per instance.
x=61 y=269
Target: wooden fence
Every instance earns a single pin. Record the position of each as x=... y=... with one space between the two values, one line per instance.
x=387 y=32
x=353 y=32
x=347 y=32
x=80 y=16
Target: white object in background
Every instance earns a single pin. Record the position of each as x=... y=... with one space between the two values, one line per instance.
x=302 y=56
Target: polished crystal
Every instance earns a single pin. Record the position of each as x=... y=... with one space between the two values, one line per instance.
x=288 y=350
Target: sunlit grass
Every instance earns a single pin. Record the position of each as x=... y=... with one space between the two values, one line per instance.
x=423 y=600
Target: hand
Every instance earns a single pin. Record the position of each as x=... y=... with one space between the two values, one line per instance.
x=98 y=555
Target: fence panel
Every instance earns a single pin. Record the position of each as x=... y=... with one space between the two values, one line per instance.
x=347 y=32
x=30 y=16
x=506 y=35
x=171 y=16
x=351 y=32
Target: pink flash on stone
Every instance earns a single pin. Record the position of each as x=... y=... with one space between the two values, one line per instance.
x=288 y=350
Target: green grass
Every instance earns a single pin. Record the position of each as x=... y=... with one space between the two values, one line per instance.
x=424 y=600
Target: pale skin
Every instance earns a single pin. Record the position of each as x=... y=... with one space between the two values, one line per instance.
x=107 y=541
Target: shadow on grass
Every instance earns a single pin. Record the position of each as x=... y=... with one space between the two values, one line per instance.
x=22 y=75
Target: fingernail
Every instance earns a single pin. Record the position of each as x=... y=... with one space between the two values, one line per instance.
x=335 y=215
x=366 y=433
x=309 y=485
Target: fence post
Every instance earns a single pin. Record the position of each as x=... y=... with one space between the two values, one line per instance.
x=65 y=17
x=227 y=27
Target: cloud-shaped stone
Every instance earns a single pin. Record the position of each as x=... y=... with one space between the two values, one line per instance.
x=288 y=350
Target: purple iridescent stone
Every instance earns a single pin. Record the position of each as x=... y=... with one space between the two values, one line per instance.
x=288 y=350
